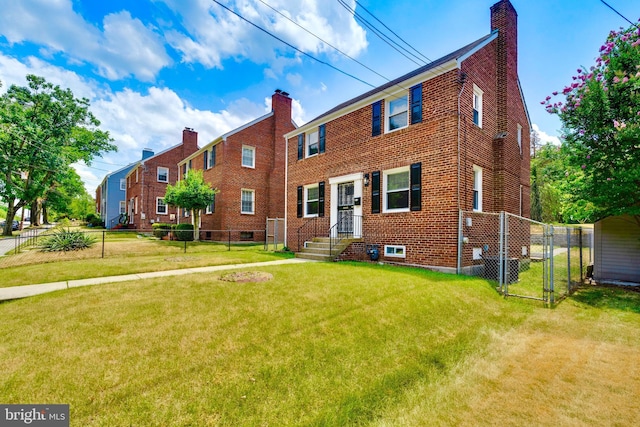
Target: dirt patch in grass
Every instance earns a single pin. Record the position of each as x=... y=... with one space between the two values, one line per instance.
x=247 y=276
x=181 y=259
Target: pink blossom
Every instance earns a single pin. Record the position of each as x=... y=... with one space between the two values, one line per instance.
x=608 y=179
x=556 y=92
x=581 y=132
x=543 y=102
x=616 y=79
x=583 y=166
x=636 y=43
x=579 y=70
x=588 y=156
x=625 y=79
x=547 y=98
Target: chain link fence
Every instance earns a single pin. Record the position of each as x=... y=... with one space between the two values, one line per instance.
x=29 y=247
x=524 y=258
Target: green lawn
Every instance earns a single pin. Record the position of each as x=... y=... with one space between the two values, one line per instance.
x=319 y=345
x=125 y=253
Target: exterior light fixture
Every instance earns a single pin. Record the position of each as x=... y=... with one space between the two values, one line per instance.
x=366 y=179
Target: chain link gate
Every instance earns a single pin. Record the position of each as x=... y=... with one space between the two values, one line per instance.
x=514 y=252
x=274 y=234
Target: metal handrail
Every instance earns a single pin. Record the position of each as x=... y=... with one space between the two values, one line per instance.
x=336 y=236
x=313 y=227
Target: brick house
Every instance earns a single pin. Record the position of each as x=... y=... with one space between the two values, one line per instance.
x=247 y=167
x=111 y=198
x=394 y=166
x=147 y=182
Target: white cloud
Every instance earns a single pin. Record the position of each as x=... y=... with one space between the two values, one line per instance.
x=216 y=34
x=125 y=47
x=153 y=119
x=545 y=138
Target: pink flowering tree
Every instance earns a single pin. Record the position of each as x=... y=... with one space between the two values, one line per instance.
x=600 y=113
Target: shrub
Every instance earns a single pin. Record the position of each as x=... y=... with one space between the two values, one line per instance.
x=184 y=232
x=161 y=229
x=66 y=240
x=94 y=220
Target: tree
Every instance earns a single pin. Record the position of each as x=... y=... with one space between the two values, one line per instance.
x=193 y=194
x=536 y=203
x=601 y=129
x=43 y=130
x=535 y=143
x=67 y=197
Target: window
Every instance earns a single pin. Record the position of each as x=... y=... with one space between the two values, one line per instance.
x=247 y=202
x=211 y=207
x=395 y=251
x=520 y=138
x=184 y=170
x=399 y=190
x=396 y=190
x=248 y=156
x=185 y=213
x=477 y=188
x=376 y=112
x=136 y=174
x=311 y=200
x=205 y=160
x=161 y=206
x=312 y=144
x=477 y=106
x=396 y=112
x=136 y=205
x=416 y=104
x=123 y=206
x=123 y=184
x=212 y=156
x=246 y=235
x=163 y=174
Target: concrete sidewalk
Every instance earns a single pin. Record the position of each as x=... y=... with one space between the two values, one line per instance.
x=17 y=292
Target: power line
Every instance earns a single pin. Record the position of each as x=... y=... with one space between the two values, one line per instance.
x=292 y=46
x=393 y=32
x=325 y=42
x=619 y=14
x=383 y=36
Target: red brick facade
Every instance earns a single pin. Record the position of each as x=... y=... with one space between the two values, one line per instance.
x=263 y=177
x=443 y=147
x=146 y=183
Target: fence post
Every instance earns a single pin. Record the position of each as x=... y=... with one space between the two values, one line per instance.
x=229 y=246
x=581 y=261
x=460 y=237
x=568 y=260
x=500 y=254
x=185 y=246
x=275 y=234
x=552 y=283
x=103 y=233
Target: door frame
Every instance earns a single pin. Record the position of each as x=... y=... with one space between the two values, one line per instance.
x=358 y=180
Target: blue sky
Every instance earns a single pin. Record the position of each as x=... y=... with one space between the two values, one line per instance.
x=152 y=67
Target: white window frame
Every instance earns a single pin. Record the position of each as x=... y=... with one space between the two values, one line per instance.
x=306 y=199
x=123 y=206
x=387 y=112
x=253 y=156
x=520 y=138
x=137 y=174
x=477 y=104
x=253 y=201
x=166 y=173
x=477 y=187
x=385 y=179
x=208 y=209
x=166 y=208
x=395 y=251
x=123 y=184
x=136 y=205
x=312 y=139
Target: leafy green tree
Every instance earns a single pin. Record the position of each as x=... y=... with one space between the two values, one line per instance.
x=43 y=130
x=67 y=197
x=193 y=194
x=601 y=129
x=536 y=203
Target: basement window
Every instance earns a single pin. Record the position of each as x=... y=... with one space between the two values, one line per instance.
x=395 y=251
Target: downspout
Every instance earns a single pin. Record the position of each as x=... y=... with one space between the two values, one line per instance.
x=286 y=185
x=462 y=78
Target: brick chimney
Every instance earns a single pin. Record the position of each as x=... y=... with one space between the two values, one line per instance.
x=505 y=19
x=281 y=105
x=189 y=141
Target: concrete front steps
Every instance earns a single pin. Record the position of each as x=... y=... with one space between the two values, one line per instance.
x=318 y=249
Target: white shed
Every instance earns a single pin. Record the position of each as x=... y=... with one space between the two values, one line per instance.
x=617 y=249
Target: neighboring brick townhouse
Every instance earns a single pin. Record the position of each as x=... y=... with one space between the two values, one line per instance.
x=395 y=166
x=247 y=167
x=147 y=182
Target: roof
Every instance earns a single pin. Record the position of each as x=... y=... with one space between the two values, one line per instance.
x=143 y=161
x=458 y=55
